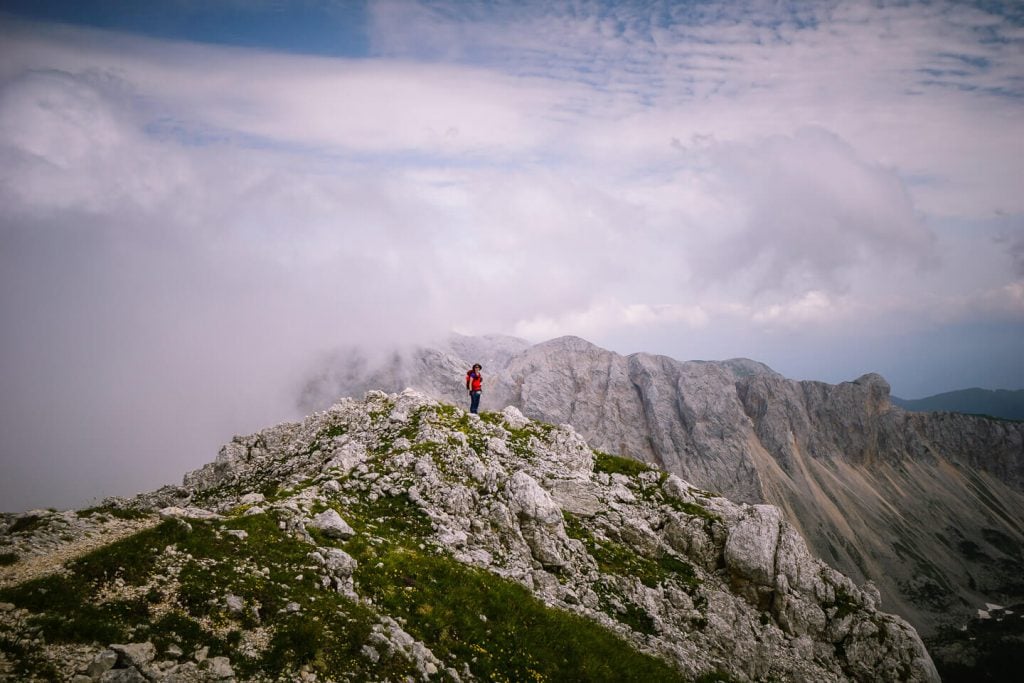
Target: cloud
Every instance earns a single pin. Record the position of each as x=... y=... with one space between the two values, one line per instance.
x=185 y=228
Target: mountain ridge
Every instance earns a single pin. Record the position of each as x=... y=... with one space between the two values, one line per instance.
x=399 y=538
x=1000 y=403
x=926 y=505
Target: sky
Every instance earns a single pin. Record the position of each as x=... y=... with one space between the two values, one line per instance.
x=199 y=201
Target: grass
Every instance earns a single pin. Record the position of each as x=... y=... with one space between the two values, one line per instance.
x=616 y=464
x=497 y=626
x=136 y=589
x=112 y=511
x=615 y=558
x=692 y=509
x=326 y=635
x=25 y=524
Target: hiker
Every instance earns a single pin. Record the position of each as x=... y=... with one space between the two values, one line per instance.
x=474 y=383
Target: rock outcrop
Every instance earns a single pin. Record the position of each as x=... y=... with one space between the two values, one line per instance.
x=925 y=505
x=307 y=547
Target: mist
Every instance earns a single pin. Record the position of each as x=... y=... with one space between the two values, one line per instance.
x=187 y=230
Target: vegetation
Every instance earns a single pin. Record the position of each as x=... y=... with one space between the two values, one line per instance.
x=168 y=585
x=112 y=511
x=997 y=643
x=25 y=524
x=616 y=464
x=615 y=558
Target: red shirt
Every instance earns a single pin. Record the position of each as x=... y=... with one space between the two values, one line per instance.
x=474 y=380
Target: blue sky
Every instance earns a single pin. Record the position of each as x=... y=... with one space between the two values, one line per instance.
x=200 y=200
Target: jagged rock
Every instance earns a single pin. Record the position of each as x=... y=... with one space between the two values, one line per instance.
x=102 y=662
x=219 y=668
x=702 y=582
x=135 y=654
x=855 y=476
x=332 y=525
x=234 y=604
x=122 y=676
x=252 y=499
x=189 y=512
x=750 y=549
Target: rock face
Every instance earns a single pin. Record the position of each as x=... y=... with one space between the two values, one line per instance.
x=706 y=585
x=925 y=505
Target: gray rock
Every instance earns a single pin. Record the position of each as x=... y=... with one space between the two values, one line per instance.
x=104 y=661
x=330 y=523
x=703 y=582
x=136 y=654
x=122 y=676
x=234 y=604
x=851 y=473
x=219 y=668
x=187 y=512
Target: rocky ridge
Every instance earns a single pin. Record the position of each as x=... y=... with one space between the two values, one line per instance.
x=319 y=550
x=926 y=505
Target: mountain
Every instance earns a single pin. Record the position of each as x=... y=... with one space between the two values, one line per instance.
x=399 y=538
x=1001 y=403
x=928 y=506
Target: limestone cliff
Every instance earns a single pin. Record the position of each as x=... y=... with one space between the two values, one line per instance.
x=926 y=505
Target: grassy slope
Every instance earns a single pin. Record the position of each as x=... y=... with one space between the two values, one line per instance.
x=167 y=585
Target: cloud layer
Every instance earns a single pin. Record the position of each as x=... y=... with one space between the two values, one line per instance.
x=184 y=228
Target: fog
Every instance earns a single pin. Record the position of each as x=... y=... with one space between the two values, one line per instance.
x=187 y=230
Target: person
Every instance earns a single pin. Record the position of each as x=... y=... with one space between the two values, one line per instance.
x=474 y=384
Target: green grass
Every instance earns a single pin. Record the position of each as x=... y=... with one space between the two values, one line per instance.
x=326 y=635
x=692 y=509
x=112 y=511
x=615 y=558
x=616 y=464
x=463 y=614
x=26 y=661
x=26 y=524
x=497 y=626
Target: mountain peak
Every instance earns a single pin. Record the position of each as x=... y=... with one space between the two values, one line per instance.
x=571 y=344
x=398 y=536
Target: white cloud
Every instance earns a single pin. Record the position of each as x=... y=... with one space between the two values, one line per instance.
x=602 y=318
x=192 y=224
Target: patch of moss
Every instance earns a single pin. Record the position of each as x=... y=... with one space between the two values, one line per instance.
x=692 y=509
x=844 y=603
x=333 y=431
x=972 y=551
x=1003 y=542
x=616 y=464
x=395 y=518
x=25 y=524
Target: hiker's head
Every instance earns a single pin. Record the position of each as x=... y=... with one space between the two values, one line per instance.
x=477 y=366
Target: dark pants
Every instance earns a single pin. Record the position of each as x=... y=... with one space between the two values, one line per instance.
x=474 y=401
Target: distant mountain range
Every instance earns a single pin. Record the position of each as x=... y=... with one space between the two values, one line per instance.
x=1001 y=403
